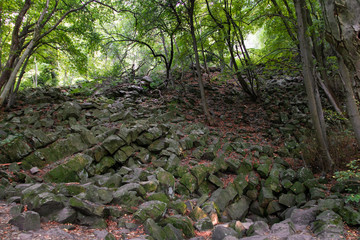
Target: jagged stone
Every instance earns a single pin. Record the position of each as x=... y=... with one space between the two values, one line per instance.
x=104 y=165
x=330 y=204
x=157 y=146
x=113 y=143
x=56 y=151
x=298 y=188
x=145 y=139
x=328 y=225
x=200 y=172
x=30 y=192
x=65 y=215
x=172 y=233
x=46 y=203
x=258 y=228
x=197 y=213
x=288 y=174
x=86 y=207
x=273 y=183
x=16 y=149
x=287 y=200
x=179 y=206
x=304 y=174
x=159 y=196
x=69 y=171
x=239 y=209
x=264 y=170
x=204 y=224
x=180 y=222
x=220 y=232
x=154 y=230
x=283 y=229
x=316 y=193
x=216 y=181
x=70 y=109
x=240 y=184
x=27 y=221
x=143 y=155
x=222 y=197
x=265 y=196
x=303 y=217
x=104 y=235
x=273 y=207
x=256 y=209
x=152 y=209
x=350 y=216
x=91 y=221
x=98 y=194
x=189 y=181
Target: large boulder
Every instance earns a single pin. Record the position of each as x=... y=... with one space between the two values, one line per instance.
x=69 y=171
x=15 y=148
x=56 y=151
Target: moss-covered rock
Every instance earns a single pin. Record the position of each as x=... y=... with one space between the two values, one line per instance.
x=86 y=207
x=69 y=171
x=180 y=222
x=189 y=181
x=152 y=209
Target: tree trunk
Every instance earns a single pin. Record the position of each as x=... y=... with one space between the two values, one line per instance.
x=16 y=45
x=197 y=61
x=352 y=108
x=310 y=86
x=342 y=23
x=36 y=75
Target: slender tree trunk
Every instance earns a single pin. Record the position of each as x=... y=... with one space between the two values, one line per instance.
x=13 y=93
x=310 y=86
x=197 y=61
x=10 y=83
x=352 y=108
x=36 y=75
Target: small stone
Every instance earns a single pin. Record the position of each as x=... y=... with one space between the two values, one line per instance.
x=34 y=170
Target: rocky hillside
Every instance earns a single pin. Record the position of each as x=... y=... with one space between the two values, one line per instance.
x=129 y=163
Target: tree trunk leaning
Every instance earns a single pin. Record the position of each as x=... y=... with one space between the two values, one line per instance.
x=309 y=80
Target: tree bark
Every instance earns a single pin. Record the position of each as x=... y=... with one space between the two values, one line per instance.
x=310 y=86
x=342 y=24
x=197 y=61
x=16 y=45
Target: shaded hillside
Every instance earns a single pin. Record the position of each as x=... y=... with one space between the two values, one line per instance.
x=138 y=162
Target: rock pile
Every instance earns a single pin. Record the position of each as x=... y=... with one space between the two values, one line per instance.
x=103 y=159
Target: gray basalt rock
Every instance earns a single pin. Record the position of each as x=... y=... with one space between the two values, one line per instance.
x=27 y=221
x=220 y=232
x=152 y=209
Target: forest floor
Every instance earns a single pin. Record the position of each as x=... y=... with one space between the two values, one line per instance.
x=236 y=114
